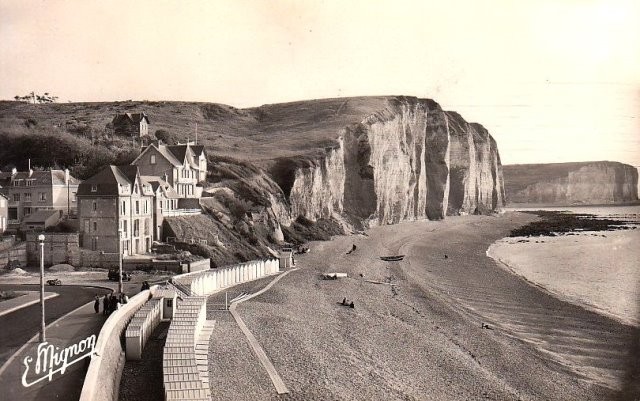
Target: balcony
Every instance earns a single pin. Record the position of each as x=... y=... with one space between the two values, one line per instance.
x=181 y=212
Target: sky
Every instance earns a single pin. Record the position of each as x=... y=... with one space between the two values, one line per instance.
x=552 y=80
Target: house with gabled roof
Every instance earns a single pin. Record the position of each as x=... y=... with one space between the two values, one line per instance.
x=134 y=125
x=115 y=209
x=183 y=166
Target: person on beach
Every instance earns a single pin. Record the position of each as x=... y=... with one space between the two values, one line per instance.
x=353 y=249
x=96 y=304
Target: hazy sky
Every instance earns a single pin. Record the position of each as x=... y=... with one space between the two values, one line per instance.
x=553 y=81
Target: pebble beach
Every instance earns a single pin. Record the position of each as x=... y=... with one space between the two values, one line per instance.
x=446 y=323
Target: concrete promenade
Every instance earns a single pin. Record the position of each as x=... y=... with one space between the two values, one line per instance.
x=22 y=301
x=67 y=330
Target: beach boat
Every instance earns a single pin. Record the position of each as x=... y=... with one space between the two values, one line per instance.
x=395 y=258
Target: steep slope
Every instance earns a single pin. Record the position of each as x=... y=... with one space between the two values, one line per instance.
x=365 y=160
x=601 y=182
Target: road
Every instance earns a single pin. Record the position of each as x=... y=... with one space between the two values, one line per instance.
x=19 y=326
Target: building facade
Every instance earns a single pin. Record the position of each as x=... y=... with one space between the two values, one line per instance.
x=30 y=191
x=115 y=209
x=4 y=213
x=183 y=167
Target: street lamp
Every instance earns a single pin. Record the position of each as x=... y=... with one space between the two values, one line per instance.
x=120 y=261
x=42 y=333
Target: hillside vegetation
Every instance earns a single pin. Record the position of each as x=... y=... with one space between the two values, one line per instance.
x=79 y=136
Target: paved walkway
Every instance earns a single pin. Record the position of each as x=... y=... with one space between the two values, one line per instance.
x=30 y=298
x=281 y=388
x=69 y=329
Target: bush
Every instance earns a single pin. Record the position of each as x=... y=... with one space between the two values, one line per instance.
x=166 y=137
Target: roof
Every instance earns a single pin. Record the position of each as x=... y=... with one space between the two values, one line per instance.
x=40 y=216
x=158 y=183
x=175 y=154
x=180 y=151
x=132 y=117
x=108 y=180
x=44 y=177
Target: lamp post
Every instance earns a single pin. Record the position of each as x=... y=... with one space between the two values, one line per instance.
x=120 y=261
x=42 y=333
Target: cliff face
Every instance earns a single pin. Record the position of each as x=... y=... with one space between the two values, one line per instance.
x=572 y=183
x=410 y=160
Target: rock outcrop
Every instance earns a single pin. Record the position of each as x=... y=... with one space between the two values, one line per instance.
x=405 y=161
x=585 y=183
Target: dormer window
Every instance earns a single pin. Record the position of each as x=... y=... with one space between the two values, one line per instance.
x=153 y=159
x=94 y=188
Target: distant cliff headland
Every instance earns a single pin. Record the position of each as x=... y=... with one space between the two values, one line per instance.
x=587 y=183
x=291 y=171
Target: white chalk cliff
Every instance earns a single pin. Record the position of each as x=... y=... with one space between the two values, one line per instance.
x=408 y=160
x=583 y=183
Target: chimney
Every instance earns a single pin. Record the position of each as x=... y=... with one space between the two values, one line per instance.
x=30 y=172
x=66 y=176
x=14 y=171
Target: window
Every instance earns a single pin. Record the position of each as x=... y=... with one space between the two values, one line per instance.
x=16 y=197
x=95 y=226
x=95 y=206
x=136 y=228
x=13 y=213
x=27 y=197
x=153 y=159
x=146 y=206
x=146 y=227
x=123 y=210
x=94 y=243
x=28 y=183
x=94 y=188
x=137 y=207
x=124 y=228
x=43 y=196
x=27 y=211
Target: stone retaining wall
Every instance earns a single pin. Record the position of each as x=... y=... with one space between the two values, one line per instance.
x=110 y=358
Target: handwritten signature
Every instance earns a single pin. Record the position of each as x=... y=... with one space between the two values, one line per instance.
x=51 y=359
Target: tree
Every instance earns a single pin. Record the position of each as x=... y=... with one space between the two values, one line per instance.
x=166 y=137
x=36 y=98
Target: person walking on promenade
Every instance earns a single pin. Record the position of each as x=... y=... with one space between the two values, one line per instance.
x=113 y=303
x=96 y=304
x=105 y=305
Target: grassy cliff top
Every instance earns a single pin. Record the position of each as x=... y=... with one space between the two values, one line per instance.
x=258 y=134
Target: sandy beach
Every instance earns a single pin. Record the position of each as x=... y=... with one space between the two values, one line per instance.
x=598 y=270
x=422 y=338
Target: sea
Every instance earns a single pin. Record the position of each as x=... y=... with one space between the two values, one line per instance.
x=597 y=270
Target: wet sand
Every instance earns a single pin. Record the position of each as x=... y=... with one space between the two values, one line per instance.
x=422 y=339
x=600 y=270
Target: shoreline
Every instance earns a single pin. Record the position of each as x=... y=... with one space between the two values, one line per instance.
x=582 y=253
x=557 y=294
x=425 y=336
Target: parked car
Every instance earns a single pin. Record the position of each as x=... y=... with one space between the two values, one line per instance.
x=114 y=275
x=55 y=281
